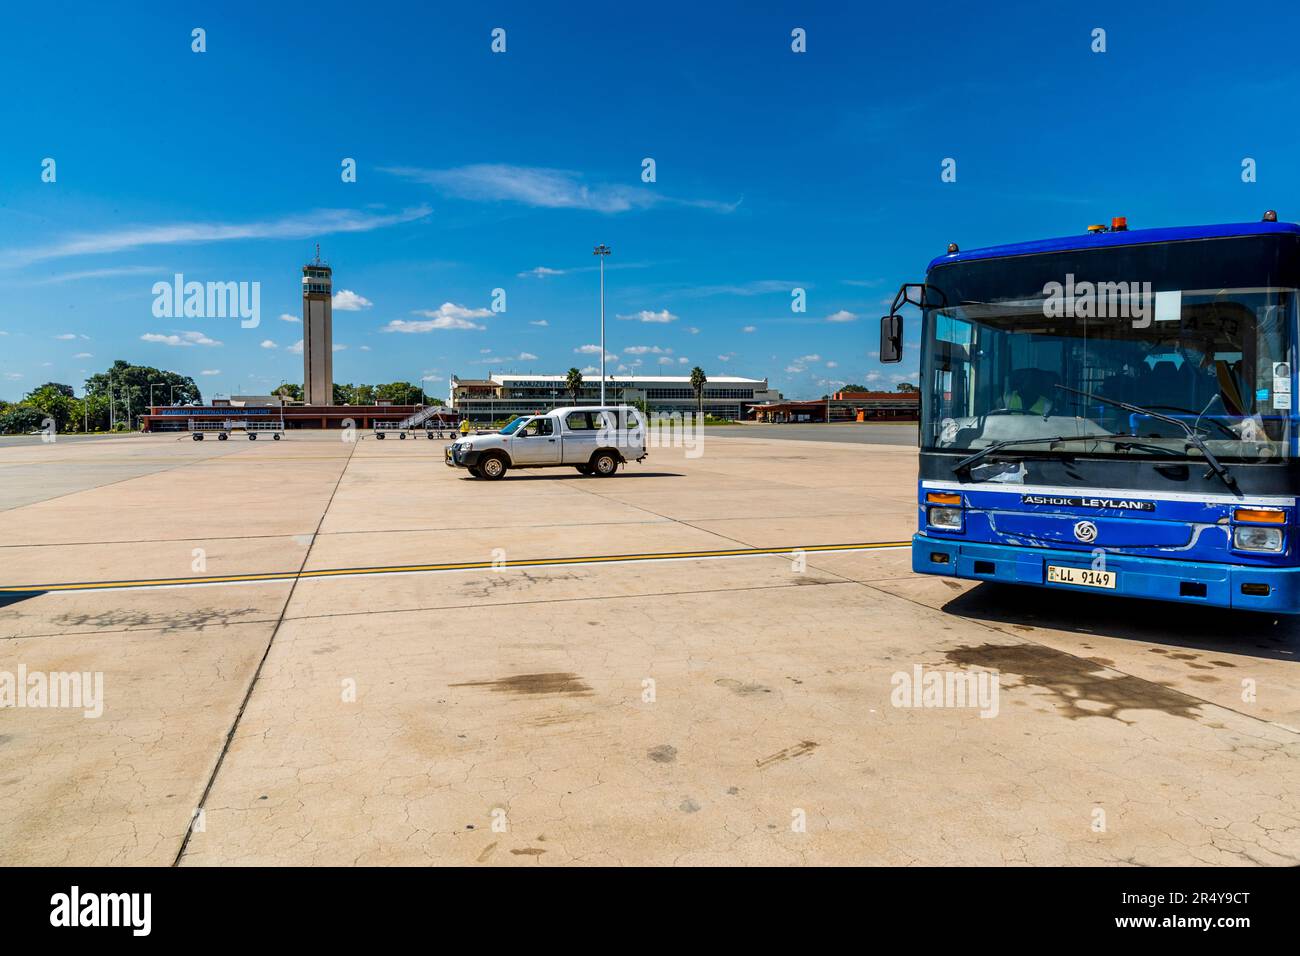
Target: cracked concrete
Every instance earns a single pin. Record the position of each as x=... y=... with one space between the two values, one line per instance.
x=686 y=712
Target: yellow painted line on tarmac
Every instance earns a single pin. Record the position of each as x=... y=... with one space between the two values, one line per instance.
x=450 y=566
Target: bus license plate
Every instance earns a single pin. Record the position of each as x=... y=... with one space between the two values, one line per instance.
x=1083 y=577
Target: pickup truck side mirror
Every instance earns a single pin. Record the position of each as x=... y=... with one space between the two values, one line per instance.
x=891 y=338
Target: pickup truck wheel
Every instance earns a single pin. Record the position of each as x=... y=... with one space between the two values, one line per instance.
x=475 y=472
x=379 y=435
x=493 y=467
x=584 y=469
x=604 y=463
x=198 y=436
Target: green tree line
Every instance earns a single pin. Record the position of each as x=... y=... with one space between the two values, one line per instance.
x=114 y=397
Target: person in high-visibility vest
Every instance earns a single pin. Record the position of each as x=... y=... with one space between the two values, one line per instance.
x=464 y=426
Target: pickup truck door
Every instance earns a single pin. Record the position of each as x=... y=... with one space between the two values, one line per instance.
x=537 y=443
x=580 y=429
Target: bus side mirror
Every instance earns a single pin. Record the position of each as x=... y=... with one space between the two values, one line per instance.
x=891 y=339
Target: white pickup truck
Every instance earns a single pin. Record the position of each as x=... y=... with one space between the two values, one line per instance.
x=594 y=440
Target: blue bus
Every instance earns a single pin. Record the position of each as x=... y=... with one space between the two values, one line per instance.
x=1113 y=412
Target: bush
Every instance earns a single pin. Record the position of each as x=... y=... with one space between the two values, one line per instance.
x=21 y=419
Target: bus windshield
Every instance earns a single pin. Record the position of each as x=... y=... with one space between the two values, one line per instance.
x=1217 y=360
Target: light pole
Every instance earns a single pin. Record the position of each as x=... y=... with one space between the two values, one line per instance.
x=602 y=251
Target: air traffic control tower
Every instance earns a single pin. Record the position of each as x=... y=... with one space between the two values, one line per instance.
x=317 y=333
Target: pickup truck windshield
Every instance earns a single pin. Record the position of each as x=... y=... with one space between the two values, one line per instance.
x=1218 y=360
x=514 y=426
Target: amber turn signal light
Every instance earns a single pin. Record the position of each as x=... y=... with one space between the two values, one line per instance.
x=1260 y=515
x=942 y=498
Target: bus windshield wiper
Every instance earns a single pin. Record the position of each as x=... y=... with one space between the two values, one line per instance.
x=1216 y=466
x=999 y=445
x=1118 y=439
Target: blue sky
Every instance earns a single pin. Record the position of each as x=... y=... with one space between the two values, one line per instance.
x=478 y=171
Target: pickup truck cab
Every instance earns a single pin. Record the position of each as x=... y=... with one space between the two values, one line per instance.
x=593 y=439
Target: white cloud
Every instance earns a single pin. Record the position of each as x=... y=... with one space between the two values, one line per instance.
x=181 y=339
x=286 y=317
x=296 y=348
x=338 y=348
x=312 y=224
x=647 y=349
x=665 y=360
x=66 y=336
x=13 y=376
x=446 y=316
x=541 y=272
x=99 y=274
x=345 y=300
x=726 y=357
x=794 y=369
x=269 y=344
x=843 y=315
x=83 y=355
x=749 y=328
x=588 y=349
x=683 y=361
x=808 y=358
x=645 y=315
x=541 y=187
x=211 y=371
x=365 y=348
x=498 y=359
x=832 y=364
x=693 y=330
x=591 y=370
x=540 y=323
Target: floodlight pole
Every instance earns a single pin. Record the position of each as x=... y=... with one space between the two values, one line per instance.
x=602 y=251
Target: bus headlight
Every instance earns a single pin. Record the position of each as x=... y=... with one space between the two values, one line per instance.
x=1257 y=539
x=949 y=519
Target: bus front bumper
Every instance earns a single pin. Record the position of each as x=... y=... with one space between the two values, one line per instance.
x=1275 y=590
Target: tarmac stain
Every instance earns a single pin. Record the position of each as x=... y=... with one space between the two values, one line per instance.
x=487 y=852
x=529 y=851
x=664 y=753
x=1073 y=680
x=801 y=749
x=553 y=683
x=741 y=689
x=689 y=806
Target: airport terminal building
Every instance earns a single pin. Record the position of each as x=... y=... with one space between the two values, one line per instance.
x=502 y=395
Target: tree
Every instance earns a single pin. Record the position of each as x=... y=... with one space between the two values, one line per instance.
x=289 y=392
x=129 y=386
x=698 y=379
x=854 y=387
x=57 y=402
x=573 y=383
x=906 y=387
x=399 y=393
x=21 y=419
